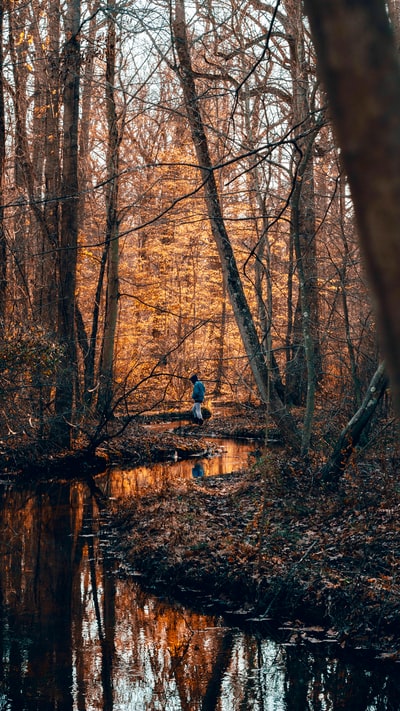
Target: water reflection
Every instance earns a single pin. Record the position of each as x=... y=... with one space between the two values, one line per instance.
x=124 y=483
x=197 y=470
x=76 y=637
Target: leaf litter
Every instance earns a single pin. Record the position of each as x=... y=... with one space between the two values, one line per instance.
x=272 y=544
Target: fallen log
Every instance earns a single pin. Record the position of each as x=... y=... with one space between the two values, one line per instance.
x=351 y=433
x=172 y=416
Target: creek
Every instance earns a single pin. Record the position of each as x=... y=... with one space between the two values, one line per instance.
x=78 y=635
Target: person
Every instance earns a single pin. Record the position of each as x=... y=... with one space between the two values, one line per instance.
x=197 y=470
x=198 y=397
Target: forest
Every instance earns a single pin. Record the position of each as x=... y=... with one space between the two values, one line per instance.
x=212 y=188
x=174 y=200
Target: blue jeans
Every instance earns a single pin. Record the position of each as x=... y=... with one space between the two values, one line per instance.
x=196 y=409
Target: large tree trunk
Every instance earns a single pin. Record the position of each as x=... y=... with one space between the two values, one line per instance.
x=359 y=63
x=281 y=416
x=45 y=104
x=351 y=434
x=69 y=230
x=305 y=369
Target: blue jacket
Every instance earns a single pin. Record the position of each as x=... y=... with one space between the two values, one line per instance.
x=198 y=391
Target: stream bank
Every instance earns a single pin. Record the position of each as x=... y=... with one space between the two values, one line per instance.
x=269 y=543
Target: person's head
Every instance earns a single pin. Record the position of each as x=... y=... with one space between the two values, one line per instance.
x=193 y=378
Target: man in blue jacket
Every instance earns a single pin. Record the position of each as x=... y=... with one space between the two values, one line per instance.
x=198 y=397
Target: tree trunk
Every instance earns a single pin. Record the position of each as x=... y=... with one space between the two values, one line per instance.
x=342 y=274
x=112 y=240
x=221 y=345
x=359 y=63
x=22 y=169
x=3 y=251
x=86 y=103
x=350 y=435
x=64 y=400
x=90 y=354
x=303 y=226
x=394 y=14
x=45 y=221
x=262 y=266
x=305 y=369
x=281 y=416
x=47 y=284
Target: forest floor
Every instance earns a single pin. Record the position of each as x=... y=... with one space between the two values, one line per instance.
x=271 y=544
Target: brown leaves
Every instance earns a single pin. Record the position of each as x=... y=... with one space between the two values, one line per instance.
x=281 y=546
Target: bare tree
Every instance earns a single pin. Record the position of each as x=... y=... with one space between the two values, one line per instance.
x=304 y=370
x=235 y=289
x=69 y=228
x=46 y=289
x=112 y=221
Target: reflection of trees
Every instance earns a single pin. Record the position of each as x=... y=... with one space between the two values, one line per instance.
x=198 y=665
x=174 y=652
x=101 y=593
x=74 y=636
x=106 y=634
x=41 y=554
x=312 y=682
x=36 y=587
x=219 y=667
x=297 y=680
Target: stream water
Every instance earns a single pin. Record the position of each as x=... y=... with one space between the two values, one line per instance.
x=75 y=635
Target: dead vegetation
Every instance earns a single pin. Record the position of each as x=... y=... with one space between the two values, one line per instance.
x=274 y=543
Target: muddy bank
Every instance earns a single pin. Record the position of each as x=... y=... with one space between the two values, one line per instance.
x=130 y=441
x=129 y=445
x=271 y=543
